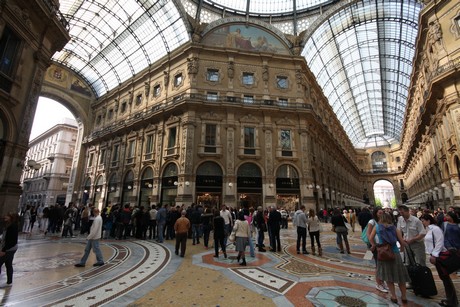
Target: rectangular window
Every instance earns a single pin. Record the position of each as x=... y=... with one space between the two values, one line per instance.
x=131 y=151
x=148 y=153
x=249 y=140
x=171 y=141
x=248 y=78
x=282 y=102
x=123 y=107
x=9 y=54
x=212 y=96
x=102 y=157
x=248 y=99
x=115 y=154
x=282 y=82
x=90 y=160
x=212 y=75
x=110 y=115
x=178 y=80
x=285 y=139
x=210 y=138
x=139 y=99
x=156 y=90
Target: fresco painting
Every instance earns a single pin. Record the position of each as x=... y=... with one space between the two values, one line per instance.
x=244 y=37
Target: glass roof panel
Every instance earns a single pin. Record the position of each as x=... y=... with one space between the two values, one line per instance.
x=266 y=6
x=111 y=40
x=366 y=50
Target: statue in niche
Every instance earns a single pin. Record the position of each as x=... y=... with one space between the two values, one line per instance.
x=192 y=65
x=434 y=43
x=265 y=73
x=130 y=97
x=166 y=78
x=147 y=89
x=231 y=69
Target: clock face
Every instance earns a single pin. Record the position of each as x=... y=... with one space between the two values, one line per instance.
x=282 y=82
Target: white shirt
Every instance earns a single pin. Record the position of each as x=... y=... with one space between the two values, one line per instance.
x=436 y=232
x=410 y=228
x=227 y=216
x=95 y=232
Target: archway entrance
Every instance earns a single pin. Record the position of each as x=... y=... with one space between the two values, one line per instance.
x=384 y=194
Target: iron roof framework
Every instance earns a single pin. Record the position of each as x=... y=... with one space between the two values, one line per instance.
x=361 y=55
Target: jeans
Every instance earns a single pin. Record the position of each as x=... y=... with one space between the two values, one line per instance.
x=94 y=245
x=302 y=236
x=260 y=239
x=251 y=247
x=196 y=233
x=161 y=227
x=7 y=259
x=227 y=230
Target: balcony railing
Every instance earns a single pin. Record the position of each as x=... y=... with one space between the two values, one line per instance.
x=192 y=98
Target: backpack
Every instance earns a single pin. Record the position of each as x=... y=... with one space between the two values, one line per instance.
x=364 y=235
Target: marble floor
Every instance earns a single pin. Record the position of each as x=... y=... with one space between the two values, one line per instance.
x=145 y=273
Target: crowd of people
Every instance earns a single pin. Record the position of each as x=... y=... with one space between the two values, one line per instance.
x=421 y=232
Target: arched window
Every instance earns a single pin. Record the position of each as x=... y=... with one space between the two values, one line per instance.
x=379 y=162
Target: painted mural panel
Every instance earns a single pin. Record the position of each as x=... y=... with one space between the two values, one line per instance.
x=249 y=38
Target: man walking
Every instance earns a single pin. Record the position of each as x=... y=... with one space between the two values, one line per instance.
x=93 y=238
x=181 y=227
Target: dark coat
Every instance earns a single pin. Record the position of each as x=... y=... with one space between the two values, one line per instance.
x=218 y=226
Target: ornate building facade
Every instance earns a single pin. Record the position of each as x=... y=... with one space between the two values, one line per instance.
x=236 y=116
x=53 y=151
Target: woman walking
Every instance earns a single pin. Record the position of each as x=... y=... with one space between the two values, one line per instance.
x=338 y=224
x=242 y=235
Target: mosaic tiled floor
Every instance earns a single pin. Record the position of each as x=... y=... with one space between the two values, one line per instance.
x=144 y=273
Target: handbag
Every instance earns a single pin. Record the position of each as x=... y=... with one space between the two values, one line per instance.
x=449 y=260
x=348 y=225
x=384 y=250
x=232 y=236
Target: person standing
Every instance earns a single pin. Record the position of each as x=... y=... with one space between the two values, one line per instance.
x=392 y=271
x=376 y=214
x=181 y=227
x=225 y=213
x=218 y=226
x=314 y=228
x=300 y=221
x=411 y=233
x=364 y=217
x=153 y=222
x=161 y=222
x=9 y=244
x=338 y=222
x=434 y=244
x=93 y=238
x=242 y=235
x=274 y=220
x=206 y=219
x=259 y=222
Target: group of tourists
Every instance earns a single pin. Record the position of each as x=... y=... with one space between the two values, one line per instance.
x=414 y=237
